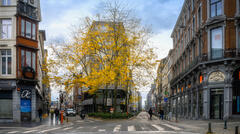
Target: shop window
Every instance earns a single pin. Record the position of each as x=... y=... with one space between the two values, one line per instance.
x=28 y=59
x=5 y=28
x=28 y=29
x=6 y=62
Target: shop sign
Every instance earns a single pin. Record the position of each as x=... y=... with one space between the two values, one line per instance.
x=216 y=77
x=26 y=94
x=25 y=105
x=109 y=102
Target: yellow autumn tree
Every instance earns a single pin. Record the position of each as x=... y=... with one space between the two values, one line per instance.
x=111 y=51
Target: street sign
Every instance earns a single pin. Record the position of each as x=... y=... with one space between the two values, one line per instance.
x=165 y=99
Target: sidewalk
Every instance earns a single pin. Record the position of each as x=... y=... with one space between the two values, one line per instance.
x=46 y=121
x=202 y=125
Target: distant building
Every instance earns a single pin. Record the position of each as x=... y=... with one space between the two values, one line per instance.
x=102 y=100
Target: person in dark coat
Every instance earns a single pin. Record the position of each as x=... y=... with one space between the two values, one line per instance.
x=40 y=114
x=150 y=113
x=56 y=111
x=161 y=114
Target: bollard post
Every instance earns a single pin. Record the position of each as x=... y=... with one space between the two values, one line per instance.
x=236 y=130
x=209 y=128
x=225 y=124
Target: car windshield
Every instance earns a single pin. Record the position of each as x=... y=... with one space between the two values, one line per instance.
x=70 y=110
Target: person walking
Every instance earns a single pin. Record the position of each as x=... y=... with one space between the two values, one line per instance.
x=56 y=111
x=161 y=114
x=150 y=113
x=40 y=114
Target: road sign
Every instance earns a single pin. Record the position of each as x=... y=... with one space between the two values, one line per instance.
x=165 y=99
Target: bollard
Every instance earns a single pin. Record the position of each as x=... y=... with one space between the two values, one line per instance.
x=236 y=130
x=209 y=128
x=225 y=124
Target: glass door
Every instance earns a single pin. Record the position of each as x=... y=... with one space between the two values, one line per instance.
x=216 y=104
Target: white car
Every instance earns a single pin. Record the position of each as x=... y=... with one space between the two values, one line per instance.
x=71 y=112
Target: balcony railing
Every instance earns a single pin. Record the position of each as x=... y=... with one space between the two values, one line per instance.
x=27 y=10
x=214 y=55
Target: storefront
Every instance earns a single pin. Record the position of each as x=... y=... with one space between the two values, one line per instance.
x=7 y=89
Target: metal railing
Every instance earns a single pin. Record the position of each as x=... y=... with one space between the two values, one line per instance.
x=27 y=10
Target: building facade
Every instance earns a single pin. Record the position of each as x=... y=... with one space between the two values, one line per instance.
x=20 y=92
x=206 y=60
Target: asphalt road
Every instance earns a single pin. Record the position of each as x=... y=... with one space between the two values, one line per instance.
x=138 y=125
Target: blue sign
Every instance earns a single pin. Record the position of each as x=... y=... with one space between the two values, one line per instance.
x=165 y=99
x=26 y=106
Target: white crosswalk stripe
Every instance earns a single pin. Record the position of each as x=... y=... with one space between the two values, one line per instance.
x=67 y=128
x=79 y=127
x=131 y=128
x=30 y=131
x=49 y=130
x=117 y=128
x=158 y=127
x=172 y=127
x=12 y=132
x=101 y=130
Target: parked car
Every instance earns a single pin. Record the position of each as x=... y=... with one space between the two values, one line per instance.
x=70 y=112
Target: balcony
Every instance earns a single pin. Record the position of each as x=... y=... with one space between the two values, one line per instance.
x=214 y=56
x=27 y=10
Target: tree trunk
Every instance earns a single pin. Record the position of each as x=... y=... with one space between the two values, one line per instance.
x=115 y=95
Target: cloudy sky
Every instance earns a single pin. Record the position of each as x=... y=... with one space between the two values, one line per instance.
x=59 y=15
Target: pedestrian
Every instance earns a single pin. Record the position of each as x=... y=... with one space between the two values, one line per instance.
x=52 y=114
x=40 y=114
x=161 y=114
x=56 y=111
x=150 y=113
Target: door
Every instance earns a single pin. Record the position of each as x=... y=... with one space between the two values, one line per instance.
x=216 y=104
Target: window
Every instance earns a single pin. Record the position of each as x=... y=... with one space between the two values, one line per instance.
x=199 y=47
x=6 y=62
x=238 y=32
x=238 y=6
x=6 y=2
x=192 y=5
x=200 y=16
x=216 y=43
x=28 y=59
x=215 y=8
x=34 y=31
x=28 y=29
x=22 y=27
x=5 y=28
x=193 y=26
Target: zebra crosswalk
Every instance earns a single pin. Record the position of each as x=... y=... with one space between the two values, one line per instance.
x=113 y=128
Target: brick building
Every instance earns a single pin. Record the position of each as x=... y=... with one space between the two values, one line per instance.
x=206 y=60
